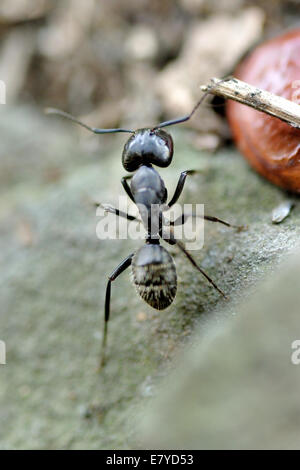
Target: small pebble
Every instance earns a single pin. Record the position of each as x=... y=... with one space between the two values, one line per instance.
x=282 y=211
x=141 y=316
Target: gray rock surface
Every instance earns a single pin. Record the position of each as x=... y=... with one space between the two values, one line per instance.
x=237 y=388
x=52 y=282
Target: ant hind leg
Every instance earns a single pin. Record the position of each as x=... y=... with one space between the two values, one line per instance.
x=173 y=241
x=116 y=272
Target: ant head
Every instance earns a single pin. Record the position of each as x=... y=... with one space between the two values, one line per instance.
x=147 y=146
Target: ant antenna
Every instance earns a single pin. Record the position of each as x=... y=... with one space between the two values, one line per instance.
x=95 y=130
x=188 y=116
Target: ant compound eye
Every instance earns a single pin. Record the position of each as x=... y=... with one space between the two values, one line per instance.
x=147 y=146
x=132 y=153
x=164 y=155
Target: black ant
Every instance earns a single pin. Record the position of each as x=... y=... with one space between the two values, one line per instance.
x=153 y=268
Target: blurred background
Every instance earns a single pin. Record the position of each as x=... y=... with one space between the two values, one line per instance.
x=133 y=64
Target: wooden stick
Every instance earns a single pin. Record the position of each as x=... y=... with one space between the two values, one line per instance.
x=262 y=100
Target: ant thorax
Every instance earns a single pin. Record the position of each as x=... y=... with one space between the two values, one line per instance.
x=150 y=193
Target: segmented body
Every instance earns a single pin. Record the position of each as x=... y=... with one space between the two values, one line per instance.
x=154 y=275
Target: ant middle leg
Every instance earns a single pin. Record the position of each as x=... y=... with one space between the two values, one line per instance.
x=183 y=218
x=117 y=212
x=116 y=272
x=220 y=221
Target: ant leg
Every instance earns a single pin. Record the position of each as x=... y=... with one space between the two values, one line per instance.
x=116 y=272
x=173 y=241
x=183 y=218
x=126 y=186
x=180 y=186
x=215 y=219
x=117 y=212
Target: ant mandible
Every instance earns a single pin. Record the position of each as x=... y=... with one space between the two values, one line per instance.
x=153 y=268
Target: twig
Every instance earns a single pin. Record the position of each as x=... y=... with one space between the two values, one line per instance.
x=261 y=100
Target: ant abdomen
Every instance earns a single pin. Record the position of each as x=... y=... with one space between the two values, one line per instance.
x=154 y=275
x=147 y=146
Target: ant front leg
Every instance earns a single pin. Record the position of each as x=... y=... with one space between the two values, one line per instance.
x=126 y=186
x=173 y=241
x=180 y=186
x=116 y=272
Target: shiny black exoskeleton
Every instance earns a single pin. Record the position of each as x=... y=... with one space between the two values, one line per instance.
x=154 y=275
x=153 y=268
x=153 y=146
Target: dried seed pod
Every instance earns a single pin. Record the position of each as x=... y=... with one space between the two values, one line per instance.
x=271 y=146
